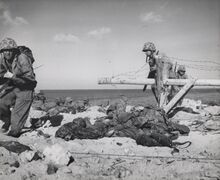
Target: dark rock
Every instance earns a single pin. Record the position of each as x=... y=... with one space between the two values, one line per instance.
x=51 y=169
x=36 y=122
x=36 y=156
x=119 y=144
x=71 y=160
x=15 y=164
x=56 y=120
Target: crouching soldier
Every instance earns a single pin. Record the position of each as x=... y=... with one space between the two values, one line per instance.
x=180 y=74
x=17 y=95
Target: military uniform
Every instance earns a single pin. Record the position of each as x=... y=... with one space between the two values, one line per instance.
x=175 y=89
x=153 y=58
x=19 y=92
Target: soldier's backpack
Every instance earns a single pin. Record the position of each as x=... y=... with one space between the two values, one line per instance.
x=27 y=51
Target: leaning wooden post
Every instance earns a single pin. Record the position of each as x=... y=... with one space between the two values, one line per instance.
x=179 y=95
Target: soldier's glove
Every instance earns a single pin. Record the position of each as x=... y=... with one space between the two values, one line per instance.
x=8 y=75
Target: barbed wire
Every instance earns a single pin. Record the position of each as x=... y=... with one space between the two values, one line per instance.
x=132 y=73
x=201 y=65
x=205 y=68
x=196 y=61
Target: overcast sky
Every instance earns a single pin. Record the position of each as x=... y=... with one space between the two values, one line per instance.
x=78 y=41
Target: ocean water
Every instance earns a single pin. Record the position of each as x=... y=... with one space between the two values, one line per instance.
x=93 y=94
x=96 y=94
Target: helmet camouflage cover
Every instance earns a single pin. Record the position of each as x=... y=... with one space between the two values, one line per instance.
x=149 y=46
x=181 y=68
x=7 y=43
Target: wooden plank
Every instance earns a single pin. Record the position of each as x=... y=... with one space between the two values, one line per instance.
x=143 y=81
x=199 y=82
x=179 y=95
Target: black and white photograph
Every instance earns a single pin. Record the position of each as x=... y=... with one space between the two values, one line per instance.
x=109 y=89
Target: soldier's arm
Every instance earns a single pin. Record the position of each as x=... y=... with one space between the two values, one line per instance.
x=2 y=71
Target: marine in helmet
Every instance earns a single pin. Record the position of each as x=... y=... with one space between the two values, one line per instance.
x=153 y=58
x=180 y=74
x=16 y=72
x=150 y=50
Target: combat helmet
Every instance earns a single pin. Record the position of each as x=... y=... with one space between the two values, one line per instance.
x=8 y=43
x=181 y=68
x=149 y=46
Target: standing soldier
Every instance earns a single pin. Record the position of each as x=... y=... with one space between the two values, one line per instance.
x=159 y=64
x=16 y=98
x=150 y=51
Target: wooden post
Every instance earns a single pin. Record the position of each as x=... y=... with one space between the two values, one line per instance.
x=159 y=79
x=165 y=69
x=179 y=95
x=162 y=71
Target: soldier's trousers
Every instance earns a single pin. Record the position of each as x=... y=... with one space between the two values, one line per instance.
x=153 y=74
x=14 y=109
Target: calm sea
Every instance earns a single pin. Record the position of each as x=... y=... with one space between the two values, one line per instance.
x=94 y=94
x=81 y=94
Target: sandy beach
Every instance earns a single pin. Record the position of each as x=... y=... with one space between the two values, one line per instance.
x=116 y=157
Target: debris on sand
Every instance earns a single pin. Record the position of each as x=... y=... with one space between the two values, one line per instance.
x=57 y=155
